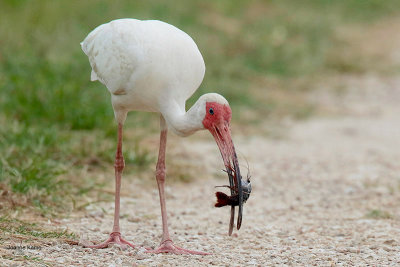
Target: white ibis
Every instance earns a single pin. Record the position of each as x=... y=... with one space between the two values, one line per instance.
x=153 y=66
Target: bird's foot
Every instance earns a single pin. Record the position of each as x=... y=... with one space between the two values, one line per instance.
x=168 y=246
x=114 y=238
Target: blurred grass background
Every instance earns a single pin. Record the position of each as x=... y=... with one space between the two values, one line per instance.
x=263 y=56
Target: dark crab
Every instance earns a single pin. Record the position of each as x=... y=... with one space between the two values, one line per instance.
x=234 y=199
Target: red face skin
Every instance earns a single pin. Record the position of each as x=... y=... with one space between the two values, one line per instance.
x=216 y=120
x=222 y=114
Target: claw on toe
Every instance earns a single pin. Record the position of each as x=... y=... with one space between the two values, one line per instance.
x=168 y=246
x=114 y=238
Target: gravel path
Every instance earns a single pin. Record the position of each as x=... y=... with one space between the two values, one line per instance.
x=326 y=194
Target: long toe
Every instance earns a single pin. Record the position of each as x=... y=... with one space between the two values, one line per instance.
x=114 y=238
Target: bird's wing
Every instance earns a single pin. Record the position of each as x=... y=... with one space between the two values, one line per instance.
x=112 y=53
x=150 y=60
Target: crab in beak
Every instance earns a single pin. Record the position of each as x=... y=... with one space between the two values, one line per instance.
x=217 y=121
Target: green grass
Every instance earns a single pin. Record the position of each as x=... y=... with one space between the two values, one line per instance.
x=29 y=234
x=15 y=226
x=39 y=163
x=261 y=55
x=378 y=214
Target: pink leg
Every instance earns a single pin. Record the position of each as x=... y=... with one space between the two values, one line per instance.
x=166 y=245
x=115 y=236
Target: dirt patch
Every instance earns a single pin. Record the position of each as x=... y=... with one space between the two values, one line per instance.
x=366 y=49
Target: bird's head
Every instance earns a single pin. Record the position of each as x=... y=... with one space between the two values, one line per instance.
x=217 y=119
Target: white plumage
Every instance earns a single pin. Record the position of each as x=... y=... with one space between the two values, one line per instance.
x=146 y=65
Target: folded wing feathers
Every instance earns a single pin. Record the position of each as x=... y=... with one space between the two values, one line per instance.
x=112 y=61
x=89 y=48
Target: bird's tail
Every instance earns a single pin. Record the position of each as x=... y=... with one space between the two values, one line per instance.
x=222 y=199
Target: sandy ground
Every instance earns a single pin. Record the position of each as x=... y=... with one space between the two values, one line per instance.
x=326 y=194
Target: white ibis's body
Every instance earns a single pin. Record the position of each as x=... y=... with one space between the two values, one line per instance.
x=146 y=65
x=153 y=66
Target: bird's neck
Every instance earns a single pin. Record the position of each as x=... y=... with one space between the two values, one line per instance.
x=181 y=122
